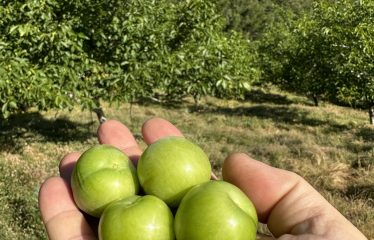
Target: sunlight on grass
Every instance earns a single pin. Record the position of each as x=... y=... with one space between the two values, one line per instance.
x=331 y=146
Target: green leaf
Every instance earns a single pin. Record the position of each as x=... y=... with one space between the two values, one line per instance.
x=13 y=104
x=4 y=107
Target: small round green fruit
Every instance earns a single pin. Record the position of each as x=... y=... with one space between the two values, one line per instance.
x=137 y=218
x=216 y=210
x=102 y=175
x=169 y=167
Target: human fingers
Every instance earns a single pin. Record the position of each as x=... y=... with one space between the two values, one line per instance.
x=110 y=132
x=59 y=213
x=249 y=174
x=285 y=201
x=118 y=135
x=67 y=164
x=56 y=202
x=156 y=128
x=115 y=133
x=302 y=237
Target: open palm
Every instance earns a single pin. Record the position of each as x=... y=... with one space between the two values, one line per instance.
x=292 y=209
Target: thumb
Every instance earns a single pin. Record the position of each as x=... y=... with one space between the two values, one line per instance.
x=285 y=201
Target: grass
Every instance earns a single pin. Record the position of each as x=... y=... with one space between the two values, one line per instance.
x=331 y=146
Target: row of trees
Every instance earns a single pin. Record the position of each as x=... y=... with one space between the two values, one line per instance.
x=326 y=54
x=322 y=49
x=57 y=54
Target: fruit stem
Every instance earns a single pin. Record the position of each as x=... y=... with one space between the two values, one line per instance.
x=213 y=176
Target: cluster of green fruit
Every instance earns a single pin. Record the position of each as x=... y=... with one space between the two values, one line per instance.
x=169 y=195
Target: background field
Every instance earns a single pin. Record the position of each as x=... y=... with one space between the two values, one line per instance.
x=332 y=147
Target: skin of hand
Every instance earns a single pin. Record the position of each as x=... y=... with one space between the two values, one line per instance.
x=292 y=209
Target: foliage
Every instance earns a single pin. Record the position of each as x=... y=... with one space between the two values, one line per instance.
x=252 y=17
x=169 y=50
x=355 y=45
x=339 y=41
x=327 y=53
x=247 y=16
x=55 y=54
x=40 y=58
x=296 y=59
x=275 y=48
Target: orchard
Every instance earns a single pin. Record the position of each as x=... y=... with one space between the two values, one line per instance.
x=64 y=54
x=169 y=195
x=52 y=56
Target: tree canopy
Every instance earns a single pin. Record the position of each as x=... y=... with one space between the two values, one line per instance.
x=58 y=54
x=327 y=52
x=253 y=17
x=63 y=53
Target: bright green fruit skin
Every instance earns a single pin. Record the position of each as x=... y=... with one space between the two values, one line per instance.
x=137 y=218
x=102 y=175
x=169 y=167
x=216 y=210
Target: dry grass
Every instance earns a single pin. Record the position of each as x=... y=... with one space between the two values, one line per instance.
x=332 y=147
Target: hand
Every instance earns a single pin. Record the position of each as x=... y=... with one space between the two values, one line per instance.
x=286 y=202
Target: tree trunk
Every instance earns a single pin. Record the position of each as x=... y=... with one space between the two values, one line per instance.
x=315 y=99
x=100 y=114
x=99 y=110
x=371 y=114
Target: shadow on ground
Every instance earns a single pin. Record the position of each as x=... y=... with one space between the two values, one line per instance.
x=254 y=96
x=366 y=134
x=260 y=96
x=280 y=114
x=361 y=192
x=20 y=129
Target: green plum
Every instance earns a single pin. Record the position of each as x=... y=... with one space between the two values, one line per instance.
x=102 y=175
x=169 y=167
x=216 y=210
x=137 y=218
